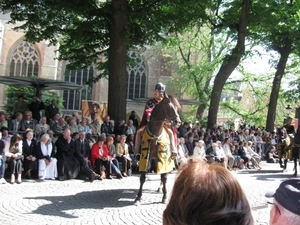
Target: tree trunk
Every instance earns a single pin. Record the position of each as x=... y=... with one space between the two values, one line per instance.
x=284 y=55
x=117 y=60
x=200 y=111
x=230 y=62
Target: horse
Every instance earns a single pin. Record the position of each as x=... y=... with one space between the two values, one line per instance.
x=284 y=146
x=158 y=143
x=296 y=150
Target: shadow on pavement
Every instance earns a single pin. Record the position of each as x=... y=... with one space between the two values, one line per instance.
x=84 y=200
x=268 y=177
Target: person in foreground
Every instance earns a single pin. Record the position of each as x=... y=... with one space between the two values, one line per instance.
x=286 y=203
x=206 y=194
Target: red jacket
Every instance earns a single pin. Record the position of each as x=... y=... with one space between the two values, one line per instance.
x=150 y=104
x=95 y=153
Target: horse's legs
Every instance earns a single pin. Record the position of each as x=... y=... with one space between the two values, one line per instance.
x=163 y=179
x=285 y=164
x=137 y=200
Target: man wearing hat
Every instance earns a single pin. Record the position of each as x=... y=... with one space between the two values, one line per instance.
x=286 y=203
x=151 y=103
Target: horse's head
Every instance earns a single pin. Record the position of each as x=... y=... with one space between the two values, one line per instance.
x=168 y=108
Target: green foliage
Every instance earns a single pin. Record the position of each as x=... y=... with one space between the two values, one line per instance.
x=12 y=94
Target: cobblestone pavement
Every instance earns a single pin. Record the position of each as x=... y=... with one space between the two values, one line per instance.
x=111 y=201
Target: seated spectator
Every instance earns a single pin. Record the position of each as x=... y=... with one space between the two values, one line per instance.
x=59 y=127
x=84 y=127
x=238 y=162
x=75 y=136
x=131 y=146
x=199 y=150
x=91 y=139
x=121 y=128
x=3 y=121
x=229 y=158
x=15 y=125
x=28 y=122
x=243 y=154
x=185 y=131
x=83 y=146
x=183 y=147
x=107 y=127
x=285 y=206
x=95 y=128
x=272 y=157
x=211 y=154
x=123 y=156
x=100 y=157
x=195 y=135
x=41 y=128
x=181 y=156
x=47 y=162
x=2 y=161
x=69 y=160
x=190 y=146
x=5 y=136
x=29 y=153
x=54 y=120
x=14 y=157
x=254 y=156
x=72 y=125
x=112 y=156
x=131 y=129
x=220 y=153
x=207 y=194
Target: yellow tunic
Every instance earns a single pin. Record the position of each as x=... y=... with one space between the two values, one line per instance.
x=165 y=163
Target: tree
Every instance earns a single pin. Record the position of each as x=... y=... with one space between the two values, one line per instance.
x=275 y=25
x=230 y=62
x=88 y=30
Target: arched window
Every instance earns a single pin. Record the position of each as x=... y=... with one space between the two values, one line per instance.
x=73 y=98
x=25 y=61
x=136 y=77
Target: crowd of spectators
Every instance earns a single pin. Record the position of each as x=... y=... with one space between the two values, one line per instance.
x=63 y=147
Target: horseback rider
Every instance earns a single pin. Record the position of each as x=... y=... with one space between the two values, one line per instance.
x=150 y=104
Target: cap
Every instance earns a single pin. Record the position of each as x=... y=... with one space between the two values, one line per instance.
x=160 y=87
x=288 y=195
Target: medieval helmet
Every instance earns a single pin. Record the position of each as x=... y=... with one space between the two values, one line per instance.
x=160 y=87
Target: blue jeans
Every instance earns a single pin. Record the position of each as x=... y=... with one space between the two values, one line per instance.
x=2 y=166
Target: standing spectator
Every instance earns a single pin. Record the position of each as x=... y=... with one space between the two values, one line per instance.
x=28 y=122
x=47 y=162
x=35 y=107
x=2 y=161
x=15 y=125
x=41 y=128
x=134 y=119
x=51 y=110
x=3 y=121
x=29 y=152
x=106 y=127
x=20 y=106
x=14 y=157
